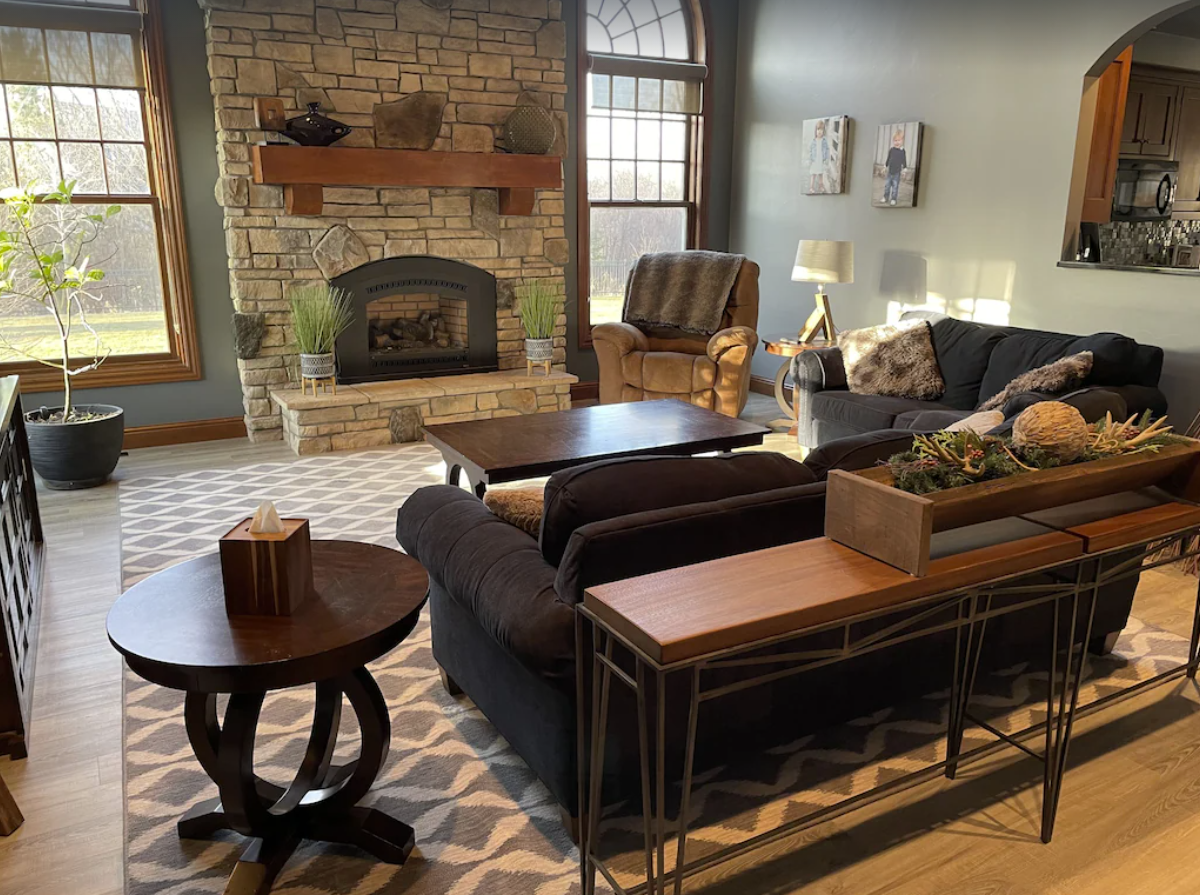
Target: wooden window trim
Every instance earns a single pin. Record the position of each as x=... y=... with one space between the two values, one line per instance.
x=183 y=363
x=699 y=165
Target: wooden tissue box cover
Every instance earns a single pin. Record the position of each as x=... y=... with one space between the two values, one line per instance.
x=266 y=574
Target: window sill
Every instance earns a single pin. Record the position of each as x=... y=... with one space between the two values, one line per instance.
x=118 y=371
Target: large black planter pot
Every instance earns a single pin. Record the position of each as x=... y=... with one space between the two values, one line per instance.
x=76 y=455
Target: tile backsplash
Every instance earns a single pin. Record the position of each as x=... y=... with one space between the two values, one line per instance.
x=1145 y=242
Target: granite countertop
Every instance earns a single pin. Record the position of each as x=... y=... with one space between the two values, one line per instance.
x=1135 y=268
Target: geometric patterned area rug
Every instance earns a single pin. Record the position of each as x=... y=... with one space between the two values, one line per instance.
x=484 y=823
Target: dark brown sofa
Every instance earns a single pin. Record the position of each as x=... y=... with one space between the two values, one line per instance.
x=977 y=361
x=502 y=602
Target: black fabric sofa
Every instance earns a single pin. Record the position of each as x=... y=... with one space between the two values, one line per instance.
x=977 y=361
x=502 y=602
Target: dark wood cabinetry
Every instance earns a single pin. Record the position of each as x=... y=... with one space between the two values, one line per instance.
x=20 y=572
x=1150 y=116
x=1187 y=151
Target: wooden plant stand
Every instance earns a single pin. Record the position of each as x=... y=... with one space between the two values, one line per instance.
x=544 y=365
x=326 y=384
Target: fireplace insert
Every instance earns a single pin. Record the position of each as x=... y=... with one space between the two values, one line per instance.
x=417 y=316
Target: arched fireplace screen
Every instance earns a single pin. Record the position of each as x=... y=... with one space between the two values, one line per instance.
x=417 y=316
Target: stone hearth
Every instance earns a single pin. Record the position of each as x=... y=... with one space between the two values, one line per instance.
x=381 y=413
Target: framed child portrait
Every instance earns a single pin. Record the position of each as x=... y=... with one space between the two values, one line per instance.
x=823 y=150
x=897 y=165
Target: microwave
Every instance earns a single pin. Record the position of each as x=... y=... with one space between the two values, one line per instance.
x=1145 y=191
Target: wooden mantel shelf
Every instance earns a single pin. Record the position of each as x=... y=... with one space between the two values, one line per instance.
x=304 y=170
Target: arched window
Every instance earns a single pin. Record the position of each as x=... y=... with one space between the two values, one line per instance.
x=643 y=136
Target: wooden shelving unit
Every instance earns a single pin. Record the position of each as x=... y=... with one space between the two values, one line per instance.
x=304 y=170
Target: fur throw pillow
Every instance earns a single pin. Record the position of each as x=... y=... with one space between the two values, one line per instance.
x=1057 y=378
x=894 y=359
x=521 y=507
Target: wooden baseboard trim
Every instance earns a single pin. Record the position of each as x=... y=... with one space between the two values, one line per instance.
x=761 y=385
x=585 y=391
x=188 y=432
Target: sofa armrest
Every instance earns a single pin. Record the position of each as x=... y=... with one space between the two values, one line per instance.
x=624 y=337
x=818 y=370
x=729 y=339
x=732 y=350
x=1093 y=402
x=641 y=543
x=1140 y=398
x=490 y=568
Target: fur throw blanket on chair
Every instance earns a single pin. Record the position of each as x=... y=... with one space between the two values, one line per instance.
x=681 y=290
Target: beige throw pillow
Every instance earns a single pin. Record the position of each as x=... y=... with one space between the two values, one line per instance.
x=980 y=423
x=895 y=359
x=521 y=507
x=1057 y=378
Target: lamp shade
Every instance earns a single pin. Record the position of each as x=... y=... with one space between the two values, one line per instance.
x=824 y=261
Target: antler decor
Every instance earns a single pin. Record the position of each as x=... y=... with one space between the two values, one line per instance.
x=1110 y=437
x=1047 y=435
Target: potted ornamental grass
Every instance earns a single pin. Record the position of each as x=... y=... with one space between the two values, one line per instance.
x=46 y=267
x=538 y=312
x=320 y=313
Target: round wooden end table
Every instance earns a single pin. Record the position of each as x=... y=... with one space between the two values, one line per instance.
x=788 y=347
x=173 y=631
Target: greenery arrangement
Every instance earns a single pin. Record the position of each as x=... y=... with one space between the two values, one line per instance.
x=44 y=260
x=319 y=315
x=538 y=309
x=946 y=460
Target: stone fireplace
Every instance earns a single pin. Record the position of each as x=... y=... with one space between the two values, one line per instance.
x=417 y=316
x=466 y=63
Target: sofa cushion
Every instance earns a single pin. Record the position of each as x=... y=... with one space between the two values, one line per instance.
x=929 y=420
x=857 y=451
x=1114 y=357
x=521 y=507
x=1019 y=353
x=611 y=488
x=865 y=413
x=892 y=359
x=963 y=350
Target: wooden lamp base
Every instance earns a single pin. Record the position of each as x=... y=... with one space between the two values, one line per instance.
x=820 y=320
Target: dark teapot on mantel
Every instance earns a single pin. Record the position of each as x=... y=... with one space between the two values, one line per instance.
x=314 y=129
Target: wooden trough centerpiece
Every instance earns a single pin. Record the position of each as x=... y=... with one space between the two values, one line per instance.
x=866 y=512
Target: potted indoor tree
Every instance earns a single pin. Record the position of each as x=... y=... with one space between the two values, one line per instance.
x=320 y=313
x=46 y=264
x=538 y=312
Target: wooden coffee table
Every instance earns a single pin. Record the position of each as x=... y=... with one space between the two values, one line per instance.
x=523 y=447
x=173 y=631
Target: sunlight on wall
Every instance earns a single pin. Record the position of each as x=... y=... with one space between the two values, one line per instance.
x=980 y=291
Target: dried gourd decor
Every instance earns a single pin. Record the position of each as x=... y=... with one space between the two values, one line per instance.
x=1046 y=435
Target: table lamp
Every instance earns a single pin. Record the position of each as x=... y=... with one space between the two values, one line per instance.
x=822 y=261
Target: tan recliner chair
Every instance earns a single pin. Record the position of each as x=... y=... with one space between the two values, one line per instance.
x=649 y=365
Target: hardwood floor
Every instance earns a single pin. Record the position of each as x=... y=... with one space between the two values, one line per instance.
x=1129 y=819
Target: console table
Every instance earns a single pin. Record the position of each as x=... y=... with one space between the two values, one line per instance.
x=684 y=622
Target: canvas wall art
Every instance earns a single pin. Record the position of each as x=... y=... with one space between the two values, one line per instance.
x=897 y=165
x=824 y=153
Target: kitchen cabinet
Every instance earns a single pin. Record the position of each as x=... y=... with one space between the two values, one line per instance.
x=1150 y=114
x=1111 y=89
x=1187 y=152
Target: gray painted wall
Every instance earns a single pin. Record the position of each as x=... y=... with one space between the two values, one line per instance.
x=998 y=86
x=218 y=393
x=723 y=27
